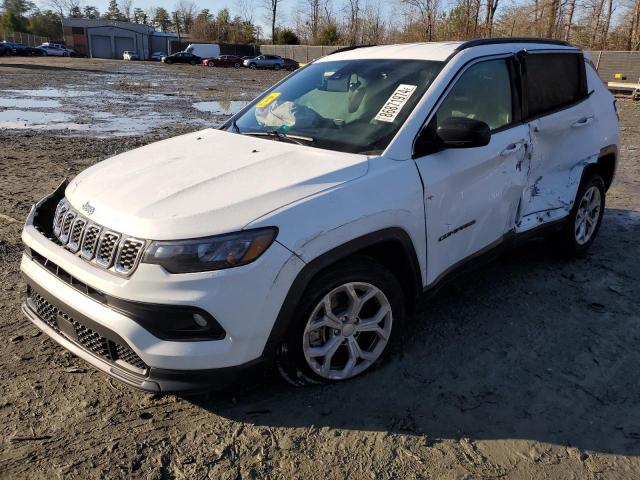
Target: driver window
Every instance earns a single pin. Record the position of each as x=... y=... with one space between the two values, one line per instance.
x=483 y=92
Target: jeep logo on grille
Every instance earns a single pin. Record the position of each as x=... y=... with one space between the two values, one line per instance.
x=88 y=208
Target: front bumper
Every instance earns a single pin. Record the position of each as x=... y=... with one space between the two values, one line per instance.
x=88 y=347
x=244 y=300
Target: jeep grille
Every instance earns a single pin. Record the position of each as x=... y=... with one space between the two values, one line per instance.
x=104 y=248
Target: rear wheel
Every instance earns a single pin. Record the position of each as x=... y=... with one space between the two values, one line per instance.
x=585 y=218
x=236 y=65
x=193 y=62
x=277 y=67
x=343 y=325
x=65 y=54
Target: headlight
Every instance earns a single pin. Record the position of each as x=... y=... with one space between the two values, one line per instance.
x=211 y=253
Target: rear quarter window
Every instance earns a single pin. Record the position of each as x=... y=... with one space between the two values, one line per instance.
x=554 y=81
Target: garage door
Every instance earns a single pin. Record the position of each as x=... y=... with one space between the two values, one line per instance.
x=101 y=46
x=122 y=45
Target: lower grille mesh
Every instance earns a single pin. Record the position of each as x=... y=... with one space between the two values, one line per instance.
x=88 y=339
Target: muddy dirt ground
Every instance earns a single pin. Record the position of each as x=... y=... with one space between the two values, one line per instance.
x=526 y=369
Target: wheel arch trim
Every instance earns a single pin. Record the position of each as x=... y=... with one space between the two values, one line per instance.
x=325 y=260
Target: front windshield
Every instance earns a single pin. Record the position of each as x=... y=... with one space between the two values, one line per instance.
x=354 y=106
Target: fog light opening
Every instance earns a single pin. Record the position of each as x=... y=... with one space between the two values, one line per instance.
x=200 y=320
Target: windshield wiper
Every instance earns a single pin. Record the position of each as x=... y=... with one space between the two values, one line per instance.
x=299 y=139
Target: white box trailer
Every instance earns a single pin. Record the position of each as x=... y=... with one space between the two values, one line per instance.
x=204 y=50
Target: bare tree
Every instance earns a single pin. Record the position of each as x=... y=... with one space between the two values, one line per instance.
x=126 y=7
x=427 y=11
x=245 y=9
x=570 y=13
x=373 y=28
x=185 y=12
x=353 y=10
x=492 y=6
x=633 y=42
x=272 y=7
x=64 y=7
x=598 y=7
x=607 y=24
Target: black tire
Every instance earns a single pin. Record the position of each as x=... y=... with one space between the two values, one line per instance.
x=193 y=62
x=65 y=54
x=291 y=361
x=277 y=67
x=236 y=65
x=567 y=239
x=168 y=62
x=253 y=66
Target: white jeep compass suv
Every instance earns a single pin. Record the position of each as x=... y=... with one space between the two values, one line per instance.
x=302 y=229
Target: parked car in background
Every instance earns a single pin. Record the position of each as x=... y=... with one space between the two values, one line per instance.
x=33 y=51
x=275 y=62
x=157 y=56
x=203 y=50
x=54 y=50
x=223 y=61
x=290 y=64
x=13 y=48
x=130 y=55
x=182 y=57
x=74 y=53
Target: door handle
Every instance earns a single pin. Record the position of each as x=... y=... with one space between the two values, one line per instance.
x=583 y=121
x=511 y=149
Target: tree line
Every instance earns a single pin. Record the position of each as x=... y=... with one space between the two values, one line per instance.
x=590 y=24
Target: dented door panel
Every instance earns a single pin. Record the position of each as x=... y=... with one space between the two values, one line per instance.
x=472 y=196
x=561 y=145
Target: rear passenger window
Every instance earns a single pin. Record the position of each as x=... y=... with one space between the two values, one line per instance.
x=554 y=80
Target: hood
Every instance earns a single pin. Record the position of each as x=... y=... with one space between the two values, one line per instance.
x=205 y=183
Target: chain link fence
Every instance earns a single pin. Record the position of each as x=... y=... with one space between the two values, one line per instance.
x=24 y=38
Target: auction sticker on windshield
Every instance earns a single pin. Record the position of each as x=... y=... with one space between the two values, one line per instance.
x=397 y=100
x=267 y=100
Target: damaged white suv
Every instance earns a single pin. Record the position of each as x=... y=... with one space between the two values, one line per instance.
x=302 y=229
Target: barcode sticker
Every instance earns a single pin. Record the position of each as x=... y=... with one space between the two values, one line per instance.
x=392 y=107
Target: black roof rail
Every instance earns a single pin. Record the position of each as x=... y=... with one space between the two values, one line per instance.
x=346 y=49
x=499 y=40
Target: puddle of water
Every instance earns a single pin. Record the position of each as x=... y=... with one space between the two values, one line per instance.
x=55 y=93
x=102 y=115
x=28 y=103
x=23 y=118
x=226 y=107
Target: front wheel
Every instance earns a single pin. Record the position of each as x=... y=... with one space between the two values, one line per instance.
x=343 y=325
x=585 y=218
x=253 y=66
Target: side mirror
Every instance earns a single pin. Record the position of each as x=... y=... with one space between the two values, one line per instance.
x=461 y=132
x=453 y=132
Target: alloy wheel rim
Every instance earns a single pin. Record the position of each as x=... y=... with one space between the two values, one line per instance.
x=587 y=215
x=347 y=331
